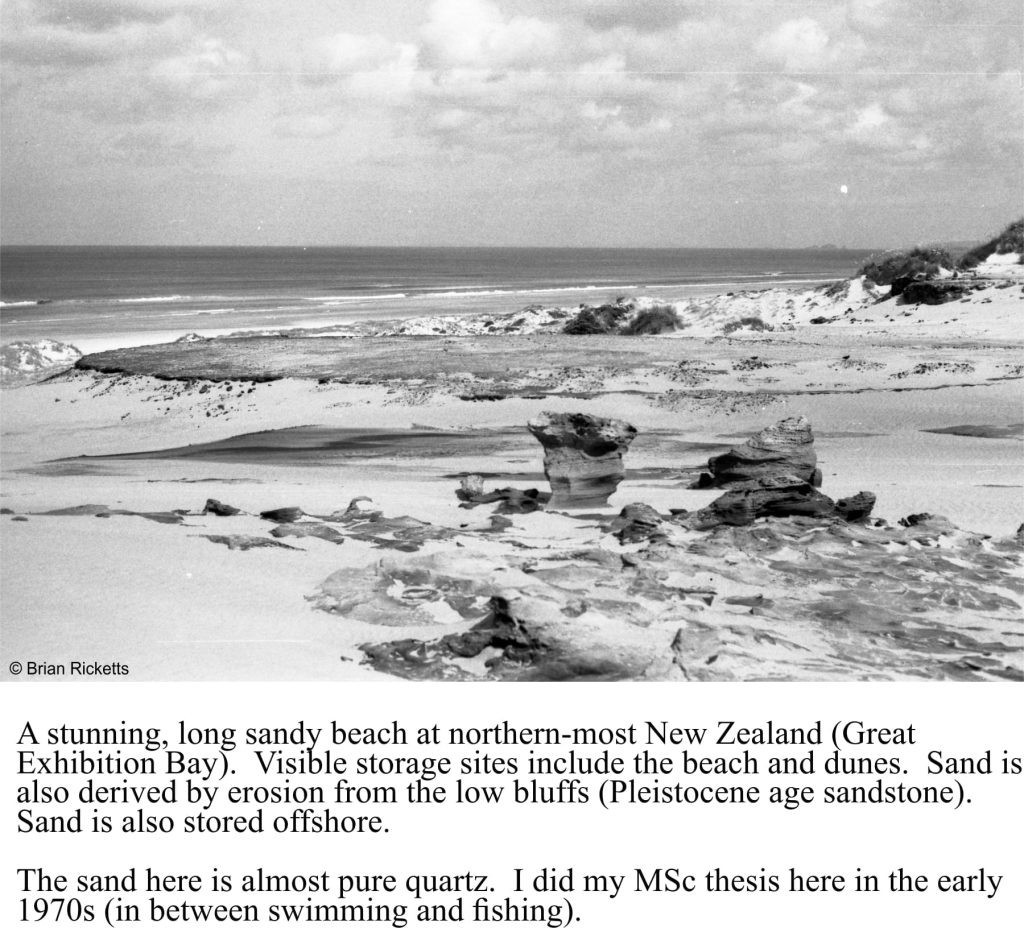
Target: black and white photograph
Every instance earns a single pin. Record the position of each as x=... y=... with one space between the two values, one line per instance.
x=512 y=340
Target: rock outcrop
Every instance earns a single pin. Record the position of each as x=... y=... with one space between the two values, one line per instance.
x=583 y=456
x=778 y=455
x=899 y=284
x=284 y=514
x=426 y=590
x=933 y=292
x=247 y=542
x=472 y=493
x=524 y=639
x=309 y=530
x=359 y=510
x=856 y=508
x=774 y=474
x=217 y=508
x=638 y=522
x=102 y=511
x=743 y=506
x=798 y=600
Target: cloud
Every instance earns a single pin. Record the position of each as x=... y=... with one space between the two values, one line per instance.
x=205 y=70
x=650 y=83
x=103 y=15
x=592 y=95
x=870 y=120
x=648 y=16
x=799 y=45
x=71 y=34
x=61 y=48
x=347 y=52
x=475 y=34
x=870 y=16
x=117 y=62
x=876 y=130
x=371 y=67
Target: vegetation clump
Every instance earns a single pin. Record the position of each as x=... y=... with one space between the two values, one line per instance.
x=596 y=320
x=921 y=261
x=755 y=323
x=653 y=321
x=1011 y=239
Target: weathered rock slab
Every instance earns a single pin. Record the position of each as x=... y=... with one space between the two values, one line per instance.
x=472 y=493
x=856 y=508
x=217 y=508
x=933 y=292
x=583 y=456
x=779 y=454
x=309 y=530
x=247 y=542
x=284 y=514
x=525 y=639
x=743 y=506
x=638 y=522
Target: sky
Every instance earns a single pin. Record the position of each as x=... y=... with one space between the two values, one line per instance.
x=672 y=123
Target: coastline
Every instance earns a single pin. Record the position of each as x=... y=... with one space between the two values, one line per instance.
x=174 y=604
x=325 y=315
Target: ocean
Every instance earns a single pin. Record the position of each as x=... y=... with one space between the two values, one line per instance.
x=105 y=296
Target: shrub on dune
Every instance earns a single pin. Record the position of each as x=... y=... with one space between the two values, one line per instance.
x=1010 y=240
x=596 y=320
x=922 y=260
x=653 y=321
x=755 y=323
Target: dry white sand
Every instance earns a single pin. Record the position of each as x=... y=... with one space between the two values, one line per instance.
x=173 y=605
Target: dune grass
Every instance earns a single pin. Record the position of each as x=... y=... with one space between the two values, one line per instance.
x=653 y=321
x=1011 y=239
x=921 y=260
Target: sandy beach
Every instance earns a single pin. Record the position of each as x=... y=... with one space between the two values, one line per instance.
x=109 y=555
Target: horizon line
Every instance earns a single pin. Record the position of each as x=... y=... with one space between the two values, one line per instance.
x=808 y=247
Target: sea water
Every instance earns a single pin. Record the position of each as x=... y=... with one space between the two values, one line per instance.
x=104 y=296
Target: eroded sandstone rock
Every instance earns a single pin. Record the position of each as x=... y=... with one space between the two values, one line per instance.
x=416 y=591
x=359 y=509
x=583 y=456
x=102 y=511
x=246 y=542
x=933 y=292
x=809 y=599
x=638 y=522
x=743 y=506
x=472 y=493
x=217 y=508
x=773 y=474
x=778 y=455
x=309 y=530
x=526 y=639
x=284 y=514
x=856 y=508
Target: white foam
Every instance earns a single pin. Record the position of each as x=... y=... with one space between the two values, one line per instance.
x=331 y=300
x=174 y=298
x=434 y=294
